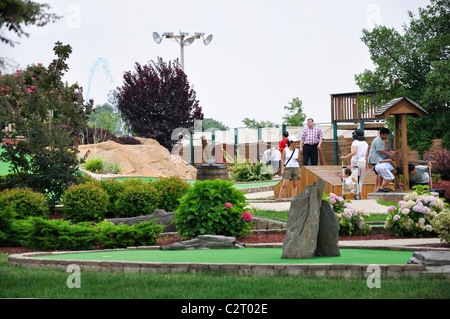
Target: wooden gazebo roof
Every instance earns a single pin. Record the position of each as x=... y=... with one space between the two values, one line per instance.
x=401 y=105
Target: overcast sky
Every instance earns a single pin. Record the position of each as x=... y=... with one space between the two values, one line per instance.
x=263 y=53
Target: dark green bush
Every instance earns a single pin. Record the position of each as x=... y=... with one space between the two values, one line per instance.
x=85 y=202
x=20 y=232
x=61 y=234
x=122 y=236
x=137 y=200
x=6 y=218
x=214 y=208
x=24 y=202
x=113 y=188
x=171 y=189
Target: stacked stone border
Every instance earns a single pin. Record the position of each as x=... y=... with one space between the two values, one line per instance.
x=33 y=261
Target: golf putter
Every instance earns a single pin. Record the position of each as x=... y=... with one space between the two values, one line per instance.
x=431 y=178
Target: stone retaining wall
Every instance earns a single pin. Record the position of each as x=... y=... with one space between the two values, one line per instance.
x=33 y=261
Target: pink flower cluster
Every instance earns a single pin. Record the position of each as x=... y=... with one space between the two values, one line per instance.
x=247 y=216
x=228 y=205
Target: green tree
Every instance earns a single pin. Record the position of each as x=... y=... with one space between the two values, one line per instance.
x=17 y=14
x=295 y=116
x=104 y=116
x=157 y=99
x=415 y=64
x=252 y=123
x=49 y=114
x=212 y=123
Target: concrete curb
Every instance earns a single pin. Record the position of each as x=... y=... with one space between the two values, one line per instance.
x=37 y=260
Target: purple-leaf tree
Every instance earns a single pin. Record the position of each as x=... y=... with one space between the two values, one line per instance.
x=155 y=99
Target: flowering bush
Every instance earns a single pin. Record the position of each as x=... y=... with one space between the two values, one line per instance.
x=213 y=208
x=350 y=220
x=441 y=224
x=414 y=214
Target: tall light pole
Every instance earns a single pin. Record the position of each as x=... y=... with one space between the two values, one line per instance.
x=183 y=40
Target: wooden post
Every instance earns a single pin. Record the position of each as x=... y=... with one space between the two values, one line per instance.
x=405 y=153
x=396 y=145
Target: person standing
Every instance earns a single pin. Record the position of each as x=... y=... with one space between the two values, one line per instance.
x=276 y=160
x=284 y=141
x=359 y=156
x=310 y=142
x=377 y=152
x=290 y=168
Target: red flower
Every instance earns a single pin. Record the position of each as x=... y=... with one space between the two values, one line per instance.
x=247 y=216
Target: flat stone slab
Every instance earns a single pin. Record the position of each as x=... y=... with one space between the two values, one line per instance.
x=431 y=258
x=205 y=242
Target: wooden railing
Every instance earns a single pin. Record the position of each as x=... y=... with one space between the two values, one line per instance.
x=353 y=107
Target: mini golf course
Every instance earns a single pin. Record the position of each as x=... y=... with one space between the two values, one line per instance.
x=253 y=261
x=241 y=255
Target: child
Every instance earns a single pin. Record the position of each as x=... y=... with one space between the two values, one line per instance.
x=349 y=181
x=386 y=169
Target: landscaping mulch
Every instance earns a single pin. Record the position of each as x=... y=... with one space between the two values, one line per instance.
x=250 y=239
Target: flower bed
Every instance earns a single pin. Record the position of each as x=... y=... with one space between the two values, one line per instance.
x=413 y=216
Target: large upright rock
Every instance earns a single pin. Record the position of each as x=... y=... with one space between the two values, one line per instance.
x=328 y=236
x=300 y=241
x=312 y=227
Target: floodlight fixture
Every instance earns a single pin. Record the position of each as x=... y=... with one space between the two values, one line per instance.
x=157 y=37
x=182 y=40
x=208 y=39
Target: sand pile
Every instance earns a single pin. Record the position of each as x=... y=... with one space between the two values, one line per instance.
x=148 y=159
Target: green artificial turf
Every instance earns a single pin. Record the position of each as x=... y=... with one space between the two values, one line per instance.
x=242 y=255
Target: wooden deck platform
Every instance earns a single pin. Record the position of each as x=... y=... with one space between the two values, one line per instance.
x=333 y=184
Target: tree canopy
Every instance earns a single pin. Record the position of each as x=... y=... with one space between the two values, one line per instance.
x=45 y=116
x=156 y=99
x=415 y=64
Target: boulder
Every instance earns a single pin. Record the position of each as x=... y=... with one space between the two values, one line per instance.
x=328 y=236
x=148 y=159
x=308 y=217
x=162 y=218
x=205 y=242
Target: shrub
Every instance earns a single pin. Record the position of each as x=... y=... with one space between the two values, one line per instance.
x=24 y=202
x=113 y=188
x=94 y=165
x=60 y=234
x=351 y=222
x=14 y=180
x=441 y=164
x=441 y=225
x=246 y=172
x=214 y=208
x=20 y=232
x=6 y=218
x=100 y=166
x=414 y=214
x=242 y=171
x=85 y=202
x=171 y=189
x=137 y=200
x=121 y=236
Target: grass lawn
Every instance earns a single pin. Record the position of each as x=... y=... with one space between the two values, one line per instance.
x=17 y=282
